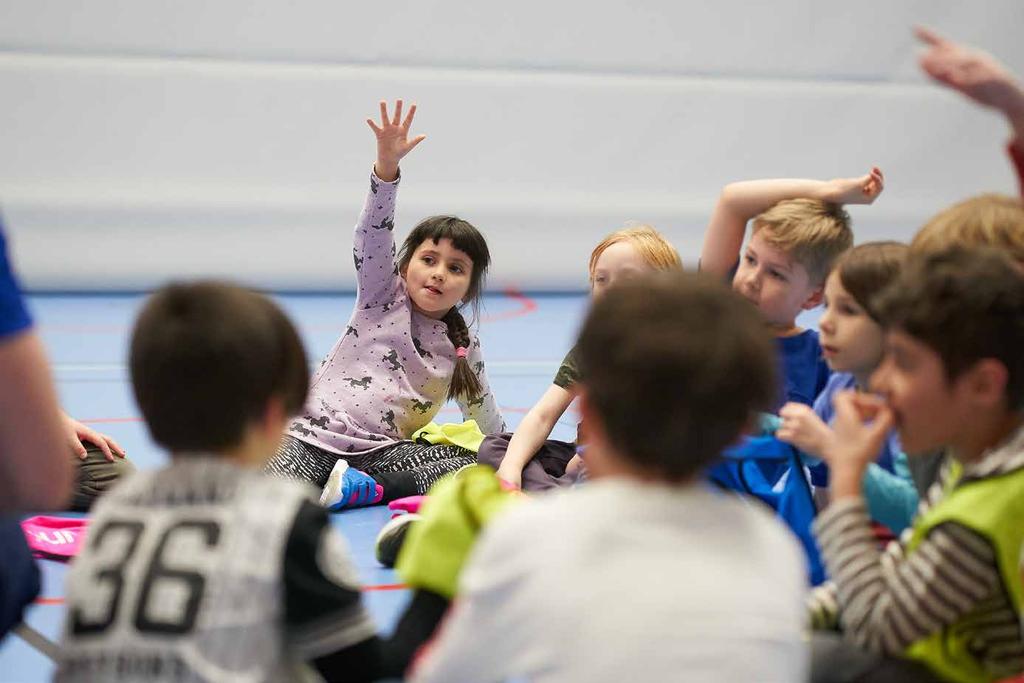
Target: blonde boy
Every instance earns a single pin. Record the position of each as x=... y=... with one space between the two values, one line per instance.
x=799 y=229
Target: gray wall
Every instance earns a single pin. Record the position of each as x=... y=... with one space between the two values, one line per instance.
x=149 y=139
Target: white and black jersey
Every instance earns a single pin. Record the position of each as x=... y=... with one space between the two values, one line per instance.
x=209 y=571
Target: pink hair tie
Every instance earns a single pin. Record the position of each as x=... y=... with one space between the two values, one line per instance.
x=462 y=352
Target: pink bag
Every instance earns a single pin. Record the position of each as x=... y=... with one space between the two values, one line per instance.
x=55 y=538
x=407 y=504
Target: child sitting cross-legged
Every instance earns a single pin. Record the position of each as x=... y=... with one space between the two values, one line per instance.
x=646 y=571
x=528 y=458
x=944 y=602
x=207 y=569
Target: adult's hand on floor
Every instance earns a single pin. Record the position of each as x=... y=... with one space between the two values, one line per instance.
x=77 y=434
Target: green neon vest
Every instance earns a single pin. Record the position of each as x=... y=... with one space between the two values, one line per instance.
x=993 y=508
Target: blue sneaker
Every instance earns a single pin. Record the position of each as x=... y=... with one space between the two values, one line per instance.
x=347 y=487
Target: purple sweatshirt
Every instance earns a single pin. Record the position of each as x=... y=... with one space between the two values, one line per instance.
x=388 y=375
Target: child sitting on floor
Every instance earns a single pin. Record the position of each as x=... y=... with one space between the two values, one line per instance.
x=405 y=352
x=949 y=595
x=799 y=229
x=528 y=459
x=851 y=338
x=645 y=571
x=207 y=569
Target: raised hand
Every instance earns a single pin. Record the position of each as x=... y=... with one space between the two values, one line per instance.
x=802 y=427
x=973 y=73
x=393 y=141
x=861 y=190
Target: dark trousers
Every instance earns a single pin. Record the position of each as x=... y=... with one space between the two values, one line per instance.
x=94 y=475
x=545 y=471
x=835 y=660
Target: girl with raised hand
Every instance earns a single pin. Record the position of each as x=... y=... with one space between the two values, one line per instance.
x=405 y=351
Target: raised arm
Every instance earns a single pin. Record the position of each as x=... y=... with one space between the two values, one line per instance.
x=742 y=201
x=980 y=77
x=374 y=242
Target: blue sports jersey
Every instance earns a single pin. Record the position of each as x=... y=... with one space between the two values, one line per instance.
x=804 y=371
x=19 y=577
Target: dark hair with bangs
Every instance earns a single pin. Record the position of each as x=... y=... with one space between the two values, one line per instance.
x=966 y=305
x=205 y=359
x=466 y=238
x=868 y=268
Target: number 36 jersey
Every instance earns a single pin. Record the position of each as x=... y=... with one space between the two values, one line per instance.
x=208 y=571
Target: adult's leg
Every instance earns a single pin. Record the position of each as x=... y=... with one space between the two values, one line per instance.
x=94 y=475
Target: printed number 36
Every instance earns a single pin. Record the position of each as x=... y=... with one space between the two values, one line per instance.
x=114 y=578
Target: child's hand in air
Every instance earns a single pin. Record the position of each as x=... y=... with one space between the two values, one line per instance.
x=393 y=141
x=861 y=424
x=802 y=427
x=973 y=73
x=862 y=190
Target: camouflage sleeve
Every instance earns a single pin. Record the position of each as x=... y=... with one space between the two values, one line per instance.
x=568 y=372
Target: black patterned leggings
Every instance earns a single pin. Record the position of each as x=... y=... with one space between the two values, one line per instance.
x=404 y=469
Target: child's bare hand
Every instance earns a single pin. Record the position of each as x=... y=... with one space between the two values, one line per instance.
x=861 y=424
x=861 y=190
x=973 y=73
x=77 y=434
x=802 y=427
x=393 y=141
x=512 y=476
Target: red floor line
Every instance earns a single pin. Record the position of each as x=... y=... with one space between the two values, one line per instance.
x=526 y=306
x=117 y=420
x=367 y=589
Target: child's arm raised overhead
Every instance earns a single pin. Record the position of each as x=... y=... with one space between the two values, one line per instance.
x=741 y=201
x=980 y=77
x=374 y=242
x=531 y=433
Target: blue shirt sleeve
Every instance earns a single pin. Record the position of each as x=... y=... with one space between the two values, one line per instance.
x=891 y=496
x=14 y=316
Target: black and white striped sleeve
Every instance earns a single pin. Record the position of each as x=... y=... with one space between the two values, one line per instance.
x=888 y=601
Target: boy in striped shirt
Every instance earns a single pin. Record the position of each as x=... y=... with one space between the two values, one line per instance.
x=944 y=603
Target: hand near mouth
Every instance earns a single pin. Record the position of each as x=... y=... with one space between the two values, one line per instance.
x=861 y=424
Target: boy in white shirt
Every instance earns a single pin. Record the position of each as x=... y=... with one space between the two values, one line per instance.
x=645 y=571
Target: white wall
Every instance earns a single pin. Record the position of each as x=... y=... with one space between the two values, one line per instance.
x=143 y=140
